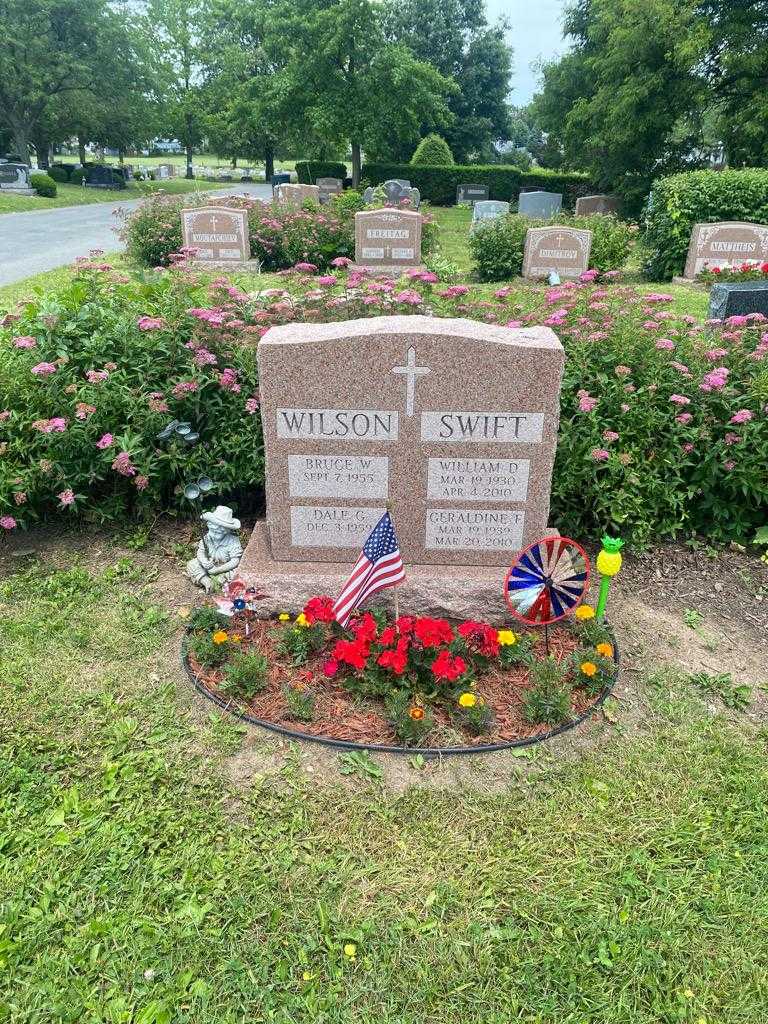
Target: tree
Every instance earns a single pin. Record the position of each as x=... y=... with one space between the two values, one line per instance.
x=351 y=83
x=49 y=50
x=455 y=37
x=433 y=150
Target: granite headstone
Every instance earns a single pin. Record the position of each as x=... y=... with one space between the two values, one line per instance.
x=725 y=244
x=588 y=205
x=471 y=193
x=219 y=234
x=296 y=195
x=562 y=249
x=14 y=177
x=329 y=187
x=541 y=205
x=486 y=210
x=738 y=299
x=388 y=238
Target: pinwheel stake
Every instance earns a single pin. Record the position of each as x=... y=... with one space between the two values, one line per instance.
x=608 y=564
x=546 y=582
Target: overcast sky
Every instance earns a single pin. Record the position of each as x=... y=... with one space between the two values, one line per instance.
x=536 y=32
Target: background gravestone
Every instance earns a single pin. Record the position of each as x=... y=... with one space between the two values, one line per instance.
x=738 y=299
x=471 y=193
x=539 y=204
x=368 y=195
x=394 y=191
x=453 y=422
x=562 y=249
x=329 y=187
x=103 y=176
x=220 y=234
x=15 y=178
x=488 y=210
x=587 y=205
x=725 y=244
x=297 y=194
x=388 y=238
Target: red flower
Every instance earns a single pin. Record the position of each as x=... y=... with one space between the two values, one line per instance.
x=404 y=625
x=396 y=659
x=352 y=652
x=365 y=628
x=388 y=636
x=319 y=609
x=432 y=632
x=764 y=268
x=447 y=667
x=330 y=667
x=715 y=270
x=480 y=637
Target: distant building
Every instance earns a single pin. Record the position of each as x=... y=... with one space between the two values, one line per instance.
x=168 y=146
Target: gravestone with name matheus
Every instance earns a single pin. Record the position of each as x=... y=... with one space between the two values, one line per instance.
x=562 y=249
x=219 y=234
x=329 y=187
x=726 y=244
x=450 y=423
x=388 y=239
x=539 y=204
x=588 y=205
x=297 y=194
x=738 y=299
x=15 y=178
x=471 y=193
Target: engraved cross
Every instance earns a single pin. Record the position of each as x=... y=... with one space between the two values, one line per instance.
x=410 y=371
x=213 y=222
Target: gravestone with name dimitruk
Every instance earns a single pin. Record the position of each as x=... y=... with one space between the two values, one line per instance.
x=471 y=193
x=725 y=244
x=562 y=249
x=388 y=238
x=219 y=234
x=539 y=204
x=452 y=424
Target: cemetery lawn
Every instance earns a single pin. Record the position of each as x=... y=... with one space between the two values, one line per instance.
x=76 y=195
x=164 y=864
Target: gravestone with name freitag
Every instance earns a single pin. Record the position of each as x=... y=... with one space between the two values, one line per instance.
x=388 y=239
x=564 y=250
x=725 y=244
x=218 y=233
x=449 y=423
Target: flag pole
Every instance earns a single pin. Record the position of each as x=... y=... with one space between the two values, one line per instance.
x=397 y=602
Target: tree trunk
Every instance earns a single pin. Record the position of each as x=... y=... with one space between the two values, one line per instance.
x=356 y=165
x=42 y=149
x=81 y=148
x=121 y=156
x=233 y=162
x=190 y=173
x=21 y=144
x=269 y=163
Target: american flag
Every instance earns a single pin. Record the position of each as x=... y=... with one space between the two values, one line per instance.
x=378 y=566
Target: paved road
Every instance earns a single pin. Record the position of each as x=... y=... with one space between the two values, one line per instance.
x=45 y=239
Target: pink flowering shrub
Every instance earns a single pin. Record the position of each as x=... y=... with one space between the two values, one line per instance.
x=654 y=440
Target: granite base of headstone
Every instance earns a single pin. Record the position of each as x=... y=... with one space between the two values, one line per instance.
x=738 y=299
x=451 y=424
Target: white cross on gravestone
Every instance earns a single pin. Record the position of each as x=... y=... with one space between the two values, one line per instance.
x=213 y=222
x=410 y=371
x=559 y=240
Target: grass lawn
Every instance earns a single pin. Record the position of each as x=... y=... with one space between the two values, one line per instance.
x=76 y=195
x=142 y=882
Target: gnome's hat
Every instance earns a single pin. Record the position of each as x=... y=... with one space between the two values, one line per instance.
x=221 y=516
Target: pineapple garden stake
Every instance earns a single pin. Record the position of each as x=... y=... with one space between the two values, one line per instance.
x=608 y=564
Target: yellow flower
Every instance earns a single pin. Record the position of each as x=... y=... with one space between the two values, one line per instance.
x=350 y=950
x=220 y=637
x=416 y=713
x=589 y=668
x=284 y=616
x=301 y=620
x=236 y=638
x=584 y=611
x=307 y=976
x=467 y=700
x=688 y=993
x=506 y=637
x=605 y=649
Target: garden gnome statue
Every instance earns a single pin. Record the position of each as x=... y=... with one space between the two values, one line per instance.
x=219 y=552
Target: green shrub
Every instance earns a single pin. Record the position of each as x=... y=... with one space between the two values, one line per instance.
x=208 y=619
x=497 y=247
x=300 y=702
x=548 y=698
x=679 y=201
x=438 y=184
x=245 y=675
x=43 y=184
x=308 y=171
x=433 y=151
x=60 y=174
x=410 y=720
x=208 y=652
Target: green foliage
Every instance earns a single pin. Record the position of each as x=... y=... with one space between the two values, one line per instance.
x=299 y=642
x=43 y=184
x=208 y=619
x=547 y=700
x=679 y=201
x=208 y=652
x=438 y=184
x=593 y=682
x=400 y=710
x=347 y=203
x=498 y=246
x=518 y=653
x=477 y=720
x=360 y=762
x=300 y=702
x=433 y=151
x=60 y=174
x=245 y=675
x=736 y=696
x=308 y=171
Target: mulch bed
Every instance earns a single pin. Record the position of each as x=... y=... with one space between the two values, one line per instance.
x=341 y=715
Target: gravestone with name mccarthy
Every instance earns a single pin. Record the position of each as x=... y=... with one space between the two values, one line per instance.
x=725 y=244
x=220 y=234
x=388 y=239
x=562 y=249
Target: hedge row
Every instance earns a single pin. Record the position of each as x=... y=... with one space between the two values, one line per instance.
x=438 y=184
x=679 y=201
x=308 y=171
